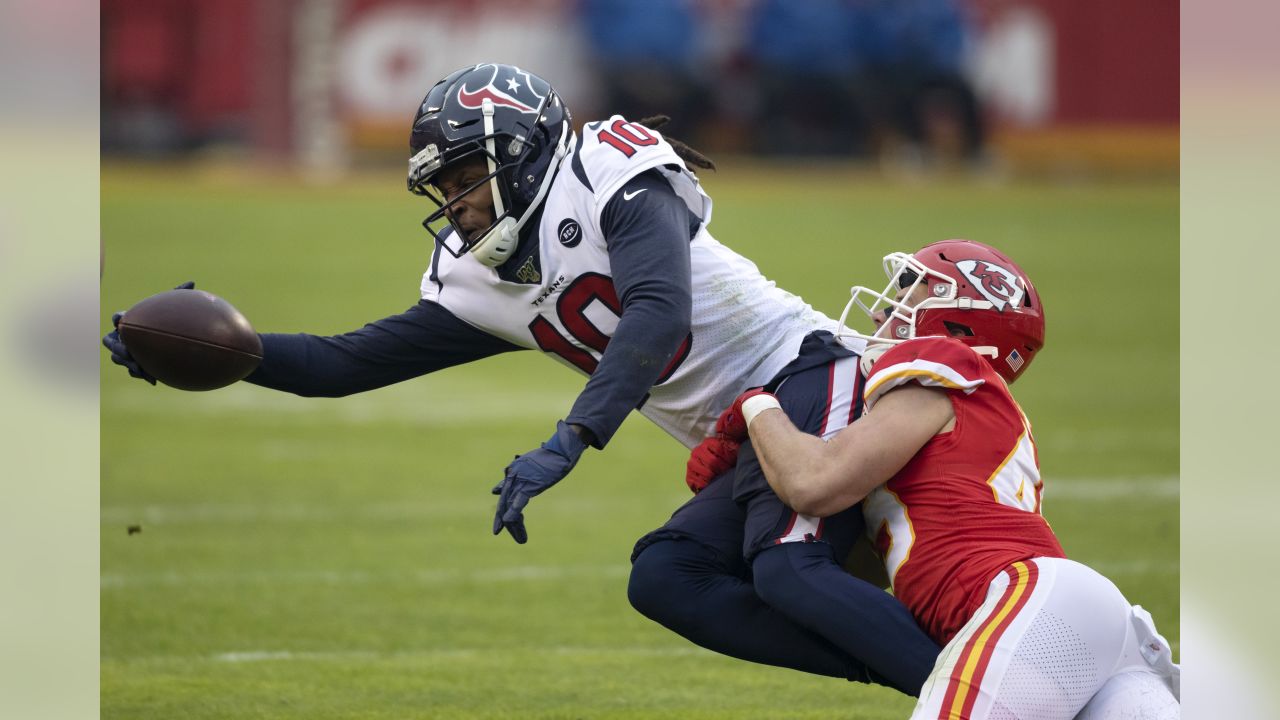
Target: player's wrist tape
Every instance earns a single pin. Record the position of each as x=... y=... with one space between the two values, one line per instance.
x=756 y=404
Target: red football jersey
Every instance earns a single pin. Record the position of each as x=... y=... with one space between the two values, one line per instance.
x=968 y=504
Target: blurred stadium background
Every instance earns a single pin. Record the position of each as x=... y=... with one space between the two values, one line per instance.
x=331 y=558
x=326 y=85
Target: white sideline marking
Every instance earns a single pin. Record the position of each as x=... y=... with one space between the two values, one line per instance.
x=177 y=514
x=1136 y=567
x=1088 y=489
x=1111 y=488
x=419 y=401
x=236 y=513
x=1111 y=438
x=254 y=656
x=518 y=573
x=450 y=653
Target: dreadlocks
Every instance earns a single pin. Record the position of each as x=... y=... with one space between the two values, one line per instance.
x=686 y=153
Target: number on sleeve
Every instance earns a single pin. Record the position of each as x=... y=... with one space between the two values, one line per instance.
x=626 y=137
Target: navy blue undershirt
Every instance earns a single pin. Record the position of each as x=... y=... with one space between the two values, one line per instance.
x=648 y=243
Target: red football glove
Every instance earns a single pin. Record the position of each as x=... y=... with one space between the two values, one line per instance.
x=712 y=458
x=718 y=454
x=731 y=425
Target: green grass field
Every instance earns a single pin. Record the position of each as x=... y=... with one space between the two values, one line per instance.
x=332 y=558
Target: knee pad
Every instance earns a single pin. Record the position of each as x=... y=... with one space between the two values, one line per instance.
x=1138 y=695
x=1156 y=651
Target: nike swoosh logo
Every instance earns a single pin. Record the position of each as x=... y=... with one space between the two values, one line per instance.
x=633 y=193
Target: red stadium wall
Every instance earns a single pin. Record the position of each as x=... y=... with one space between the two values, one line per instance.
x=1116 y=61
x=196 y=57
x=228 y=64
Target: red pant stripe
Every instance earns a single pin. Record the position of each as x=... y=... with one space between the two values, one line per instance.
x=971 y=668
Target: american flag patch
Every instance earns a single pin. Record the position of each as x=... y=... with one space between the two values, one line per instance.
x=1015 y=360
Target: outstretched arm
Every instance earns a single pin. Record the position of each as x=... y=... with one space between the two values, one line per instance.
x=423 y=339
x=821 y=478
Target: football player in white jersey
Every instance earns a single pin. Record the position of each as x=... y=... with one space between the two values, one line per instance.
x=593 y=248
x=949 y=469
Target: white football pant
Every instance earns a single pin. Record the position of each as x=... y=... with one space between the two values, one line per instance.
x=1053 y=638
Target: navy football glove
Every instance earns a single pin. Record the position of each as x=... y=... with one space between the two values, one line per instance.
x=531 y=473
x=120 y=354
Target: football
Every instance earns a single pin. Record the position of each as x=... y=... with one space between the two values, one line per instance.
x=191 y=340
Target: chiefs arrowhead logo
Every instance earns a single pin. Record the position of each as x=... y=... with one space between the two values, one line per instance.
x=995 y=283
x=513 y=91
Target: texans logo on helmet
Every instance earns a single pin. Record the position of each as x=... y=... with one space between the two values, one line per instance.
x=513 y=91
x=995 y=283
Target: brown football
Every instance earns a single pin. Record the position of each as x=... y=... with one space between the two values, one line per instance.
x=191 y=340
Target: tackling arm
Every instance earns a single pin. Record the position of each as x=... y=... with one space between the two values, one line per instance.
x=820 y=478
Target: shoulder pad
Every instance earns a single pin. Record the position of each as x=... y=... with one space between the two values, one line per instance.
x=615 y=150
x=931 y=361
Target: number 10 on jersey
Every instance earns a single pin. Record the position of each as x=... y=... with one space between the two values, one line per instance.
x=625 y=137
x=571 y=309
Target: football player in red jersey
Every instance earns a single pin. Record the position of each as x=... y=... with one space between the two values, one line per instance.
x=946 y=468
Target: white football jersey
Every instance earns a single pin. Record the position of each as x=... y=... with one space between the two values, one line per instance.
x=744 y=327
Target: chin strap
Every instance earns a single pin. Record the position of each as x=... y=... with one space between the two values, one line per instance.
x=500 y=242
x=497 y=245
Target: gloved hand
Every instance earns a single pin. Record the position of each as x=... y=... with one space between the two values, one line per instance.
x=715 y=455
x=731 y=425
x=712 y=458
x=120 y=354
x=531 y=473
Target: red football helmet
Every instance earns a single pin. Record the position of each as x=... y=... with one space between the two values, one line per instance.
x=973 y=293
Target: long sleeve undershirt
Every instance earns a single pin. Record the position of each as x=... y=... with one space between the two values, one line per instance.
x=648 y=241
x=422 y=339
